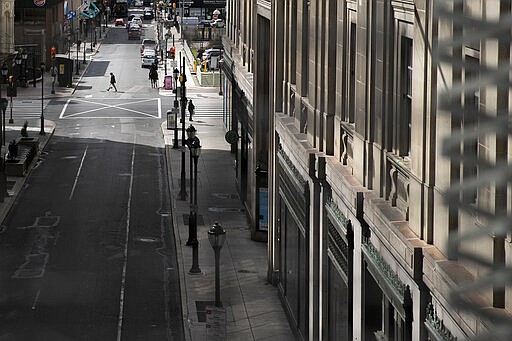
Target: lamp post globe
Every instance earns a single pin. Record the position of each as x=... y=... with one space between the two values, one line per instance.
x=217 y=236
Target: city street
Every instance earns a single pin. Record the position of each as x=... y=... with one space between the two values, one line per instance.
x=87 y=253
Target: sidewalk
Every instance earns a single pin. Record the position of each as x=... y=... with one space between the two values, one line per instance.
x=253 y=308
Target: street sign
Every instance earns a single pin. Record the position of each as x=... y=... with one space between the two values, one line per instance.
x=231 y=136
x=174 y=63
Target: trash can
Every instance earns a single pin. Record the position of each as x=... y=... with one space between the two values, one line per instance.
x=64 y=66
x=168 y=82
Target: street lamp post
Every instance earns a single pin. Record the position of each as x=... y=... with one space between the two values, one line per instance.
x=42 y=132
x=221 y=63
x=85 y=44
x=195 y=150
x=175 y=73
x=24 y=56
x=18 y=62
x=217 y=236
x=3 y=101
x=77 y=49
x=183 y=80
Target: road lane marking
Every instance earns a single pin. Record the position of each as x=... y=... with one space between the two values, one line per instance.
x=119 y=106
x=125 y=261
x=36 y=299
x=78 y=173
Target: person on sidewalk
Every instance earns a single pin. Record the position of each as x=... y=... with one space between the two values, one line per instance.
x=112 y=82
x=191 y=108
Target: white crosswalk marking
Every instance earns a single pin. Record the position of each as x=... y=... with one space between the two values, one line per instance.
x=206 y=106
x=26 y=109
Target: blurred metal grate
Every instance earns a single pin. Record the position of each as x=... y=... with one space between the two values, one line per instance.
x=475 y=172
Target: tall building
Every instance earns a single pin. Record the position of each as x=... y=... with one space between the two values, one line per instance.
x=6 y=27
x=374 y=154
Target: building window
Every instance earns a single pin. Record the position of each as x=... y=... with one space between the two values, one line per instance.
x=403 y=124
x=351 y=86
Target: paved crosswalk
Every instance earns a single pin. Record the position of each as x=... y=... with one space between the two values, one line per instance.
x=26 y=109
x=207 y=105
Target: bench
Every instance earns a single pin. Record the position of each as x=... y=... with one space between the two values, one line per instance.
x=19 y=166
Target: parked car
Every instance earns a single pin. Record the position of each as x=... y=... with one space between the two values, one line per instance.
x=119 y=22
x=149 y=58
x=148 y=44
x=211 y=57
x=217 y=23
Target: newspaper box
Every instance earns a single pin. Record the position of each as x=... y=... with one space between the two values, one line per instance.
x=168 y=82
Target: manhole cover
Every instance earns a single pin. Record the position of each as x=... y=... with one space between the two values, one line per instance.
x=147 y=239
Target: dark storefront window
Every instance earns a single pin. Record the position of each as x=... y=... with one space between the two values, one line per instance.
x=338 y=305
x=30 y=16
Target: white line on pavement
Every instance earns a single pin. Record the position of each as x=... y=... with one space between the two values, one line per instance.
x=123 y=277
x=78 y=173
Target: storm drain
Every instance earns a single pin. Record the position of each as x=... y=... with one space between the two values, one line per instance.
x=225 y=209
x=201 y=309
x=200 y=220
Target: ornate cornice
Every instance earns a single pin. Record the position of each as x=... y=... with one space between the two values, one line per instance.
x=291 y=167
x=384 y=267
x=436 y=325
x=334 y=210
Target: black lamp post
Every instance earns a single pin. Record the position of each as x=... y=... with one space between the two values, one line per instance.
x=18 y=61
x=217 y=236
x=183 y=80
x=195 y=150
x=192 y=142
x=221 y=63
x=85 y=43
x=175 y=73
x=24 y=56
x=42 y=132
x=77 y=49
x=3 y=101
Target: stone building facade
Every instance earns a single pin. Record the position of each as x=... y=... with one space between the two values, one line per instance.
x=375 y=129
x=6 y=27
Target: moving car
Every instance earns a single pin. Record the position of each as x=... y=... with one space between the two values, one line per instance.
x=148 y=44
x=119 y=22
x=135 y=20
x=148 y=15
x=134 y=31
x=149 y=58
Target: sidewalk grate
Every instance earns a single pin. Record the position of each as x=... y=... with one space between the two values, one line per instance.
x=201 y=309
x=225 y=209
x=10 y=185
x=200 y=220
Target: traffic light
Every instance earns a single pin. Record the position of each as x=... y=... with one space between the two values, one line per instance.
x=172 y=53
x=174 y=5
x=53 y=51
x=10 y=80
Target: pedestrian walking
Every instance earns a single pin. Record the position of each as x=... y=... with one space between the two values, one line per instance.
x=112 y=82
x=191 y=108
